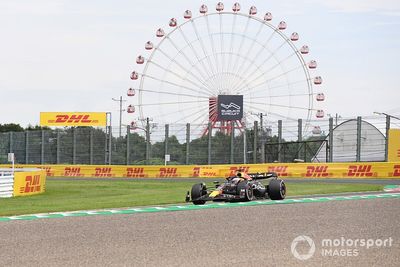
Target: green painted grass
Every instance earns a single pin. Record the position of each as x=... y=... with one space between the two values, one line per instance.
x=70 y=195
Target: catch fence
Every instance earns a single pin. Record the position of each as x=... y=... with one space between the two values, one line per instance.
x=330 y=140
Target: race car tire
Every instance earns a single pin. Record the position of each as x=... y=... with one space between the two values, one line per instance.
x=198 y=190
x=276 y=189
x=248 y=195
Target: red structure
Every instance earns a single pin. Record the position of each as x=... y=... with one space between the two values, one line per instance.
x=224 y=126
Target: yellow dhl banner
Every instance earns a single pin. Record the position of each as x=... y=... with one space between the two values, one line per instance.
x=73 y=119
x=394 y=145
x=29 y=183
x=284 y=170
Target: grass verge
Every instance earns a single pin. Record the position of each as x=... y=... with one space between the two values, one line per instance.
x=70 y=195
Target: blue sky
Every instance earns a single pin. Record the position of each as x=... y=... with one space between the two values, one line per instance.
x=70 y=55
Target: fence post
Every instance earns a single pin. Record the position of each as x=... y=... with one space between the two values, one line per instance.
x=26 y=147
x=42 y=149
x=128 y=133
x=255 y=142
x=10 y=139
x=300 y=139
x=232 y=142
x=166 y=140
x=279 y=140
x=244 y=146
x=106 y=146
x=358 y=151
x=73 y=145
x=91 y=146
x=110 y=144
x=147 y=141
x=187 y=142
x=263 y=138
x=58 y=147
x=387 y=137
x=209 y=143
x=330 y=143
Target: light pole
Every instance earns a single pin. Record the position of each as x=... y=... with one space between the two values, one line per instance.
x=263 y=137
x=147 y=132
x=388 y=116
x=120 y=100
x=337 y=116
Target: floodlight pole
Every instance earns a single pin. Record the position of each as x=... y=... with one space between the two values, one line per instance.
x=146 y=130
x=263 y=137
x=120 y=100
x=388 y=116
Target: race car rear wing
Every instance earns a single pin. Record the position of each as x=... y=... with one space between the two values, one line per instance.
x=263 y=175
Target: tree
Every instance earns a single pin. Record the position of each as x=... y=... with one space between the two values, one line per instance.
x=175 y=150
x=10 y=127
x=37 y=128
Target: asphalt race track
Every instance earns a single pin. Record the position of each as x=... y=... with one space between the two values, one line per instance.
x=245 y=236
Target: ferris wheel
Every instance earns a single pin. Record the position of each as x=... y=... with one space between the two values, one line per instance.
x=224 y=68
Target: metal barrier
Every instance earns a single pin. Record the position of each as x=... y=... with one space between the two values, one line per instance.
x=6 y=183
x=282 y=141
x=22 y=182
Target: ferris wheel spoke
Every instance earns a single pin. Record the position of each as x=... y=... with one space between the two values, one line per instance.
x=237 y=76
x=170 y=93
x=243 y=82
x=269 y=70
x=241 y=43
x=272 y=55
x=221 y=42
x=212 y=43
x=283 y=96
x=276 y=105
x=263 y=47
x=171 y=103
x=281 y=86
x=271 y=79
x=254 y=41
x=182 y=110
x=205 y=69
x=204 y=52
x=193 y=64
x=175 y=84
x=200 y=111
x=168 y=70
x=183 y=69
x=231 y=47
x=274 y=66
x=257 y=55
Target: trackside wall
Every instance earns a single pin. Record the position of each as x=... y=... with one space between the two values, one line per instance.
x=284 y=170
